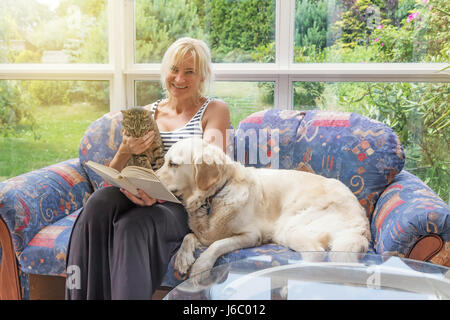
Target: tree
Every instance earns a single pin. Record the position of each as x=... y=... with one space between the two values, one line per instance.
x=360 y=20
x=311 y=24
x=238 y=28
x=15 y=108
x=159 y=23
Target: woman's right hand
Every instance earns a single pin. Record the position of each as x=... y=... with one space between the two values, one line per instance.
x=132 y=145
x=142 y=199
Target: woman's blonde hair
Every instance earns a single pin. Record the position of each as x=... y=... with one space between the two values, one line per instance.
x=202 y=61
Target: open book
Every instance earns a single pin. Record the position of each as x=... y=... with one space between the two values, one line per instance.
x=132 y=178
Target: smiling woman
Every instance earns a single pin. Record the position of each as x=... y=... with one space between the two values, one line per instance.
x=186 y=69
x=145 y=231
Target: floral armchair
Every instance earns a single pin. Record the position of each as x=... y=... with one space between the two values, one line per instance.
x=38 y=209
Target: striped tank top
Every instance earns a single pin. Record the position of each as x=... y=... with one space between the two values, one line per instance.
x=191 y=129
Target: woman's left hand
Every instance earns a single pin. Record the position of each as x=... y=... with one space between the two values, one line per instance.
x=143 y=199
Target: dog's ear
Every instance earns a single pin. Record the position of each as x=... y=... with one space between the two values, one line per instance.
x=206 y=175
x=208 y=166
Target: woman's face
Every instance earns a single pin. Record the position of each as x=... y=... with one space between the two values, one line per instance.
x=183 y=80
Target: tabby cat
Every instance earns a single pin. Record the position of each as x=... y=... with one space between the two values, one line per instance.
x=137 y=122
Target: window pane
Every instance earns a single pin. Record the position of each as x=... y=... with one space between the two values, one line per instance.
x=53 y=31
x=371 y=31
x=243 y=97
x=236 y=30
x=42 y=122
x=147 y=92
x=418 y=113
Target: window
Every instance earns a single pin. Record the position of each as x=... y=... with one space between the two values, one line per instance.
x=285 y=53
x=235 y=31
x=368 y=31
x=243 y=97
x=53 y=31
x=42 y=122
x=54 y=79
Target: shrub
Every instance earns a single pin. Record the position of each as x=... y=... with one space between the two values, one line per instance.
x=161 y=22
x=311 y=24
x=15 y=109
x=240 y=24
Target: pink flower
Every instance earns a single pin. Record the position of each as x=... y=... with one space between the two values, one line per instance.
x=381 y=26
x=412 y=16
x=425 y=1
x=430 y=7
x=382 y=44
x=376 y=39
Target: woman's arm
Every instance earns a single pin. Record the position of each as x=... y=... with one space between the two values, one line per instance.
x=216 y=121
x=127 y=148
x=130 y=146
x=121 y=157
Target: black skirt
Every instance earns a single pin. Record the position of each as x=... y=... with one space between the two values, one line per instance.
x=118 y=250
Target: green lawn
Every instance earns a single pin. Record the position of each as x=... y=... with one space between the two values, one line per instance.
x=243 y=98
x=59 y=132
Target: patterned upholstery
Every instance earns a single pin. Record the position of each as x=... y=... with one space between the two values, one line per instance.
x=34 y=200
x=100 y=143
x=40 y=207
x=407 y=210
x=46 y=252
x=362 y=153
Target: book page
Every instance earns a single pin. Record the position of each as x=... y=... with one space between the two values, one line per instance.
x=112 y=176
x=154 y=189
x=132 y=178
x=97 y=167
x=139 y=172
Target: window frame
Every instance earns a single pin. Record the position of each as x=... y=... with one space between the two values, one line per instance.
x=122 y=71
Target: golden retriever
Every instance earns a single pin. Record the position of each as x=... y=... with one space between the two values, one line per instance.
x=232 y=207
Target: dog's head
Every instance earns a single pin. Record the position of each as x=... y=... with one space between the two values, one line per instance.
x=193 y=165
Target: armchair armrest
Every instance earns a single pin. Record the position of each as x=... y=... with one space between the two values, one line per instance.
x=39 y=198
x=411 y=221
x=9 y=275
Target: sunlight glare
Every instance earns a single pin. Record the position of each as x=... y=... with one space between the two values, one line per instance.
x=52 y=4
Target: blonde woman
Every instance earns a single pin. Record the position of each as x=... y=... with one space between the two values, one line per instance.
x=121 y=244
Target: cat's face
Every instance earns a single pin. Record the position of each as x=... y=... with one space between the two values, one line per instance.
x=135 y=120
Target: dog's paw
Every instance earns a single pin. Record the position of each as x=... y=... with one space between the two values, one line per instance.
x=201 y=266
x=183 y=261
x=201 y=280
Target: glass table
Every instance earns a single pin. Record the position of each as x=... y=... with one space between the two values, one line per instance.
x=318 y=275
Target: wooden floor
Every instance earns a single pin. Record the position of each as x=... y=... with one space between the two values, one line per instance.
x=53 y=288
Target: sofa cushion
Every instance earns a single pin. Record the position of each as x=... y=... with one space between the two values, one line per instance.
x=46 y=252
x=100 y=143
x=37 y=199
x=406 y=211
x=362 y=153
x=266 y=138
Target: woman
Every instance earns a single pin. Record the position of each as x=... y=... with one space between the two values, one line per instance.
x=121 y=243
